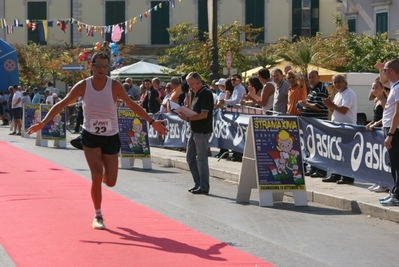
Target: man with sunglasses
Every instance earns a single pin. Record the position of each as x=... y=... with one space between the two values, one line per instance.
x=100 y=135
x=238 y=92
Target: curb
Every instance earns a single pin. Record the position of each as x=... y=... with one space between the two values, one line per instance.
x=354 y=206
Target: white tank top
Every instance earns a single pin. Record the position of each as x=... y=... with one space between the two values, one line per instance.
x=269 y=103
x=99 y=110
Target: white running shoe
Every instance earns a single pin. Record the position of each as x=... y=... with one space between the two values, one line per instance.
x=98 y=223
x=380 y=188
x=371 y=188
x=385 y=198
x=390 y=202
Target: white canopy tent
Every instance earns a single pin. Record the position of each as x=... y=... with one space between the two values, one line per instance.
x=141 y=70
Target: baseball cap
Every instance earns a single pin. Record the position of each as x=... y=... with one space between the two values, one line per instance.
x=55 y=95
x=221 y=81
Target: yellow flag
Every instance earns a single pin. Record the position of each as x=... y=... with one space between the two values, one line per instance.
x=45 y=29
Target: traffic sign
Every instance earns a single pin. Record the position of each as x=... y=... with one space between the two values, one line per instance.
x=73 y=67
x=10 y=65
x=229 y=59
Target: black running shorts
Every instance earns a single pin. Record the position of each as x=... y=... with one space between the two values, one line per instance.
x=108 y=144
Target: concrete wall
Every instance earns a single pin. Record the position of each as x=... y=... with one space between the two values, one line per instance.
x=277 y=18
x=365 y=11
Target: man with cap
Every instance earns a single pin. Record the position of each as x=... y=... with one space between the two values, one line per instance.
x=56 y=99
x=220 y=95
x=220 y=92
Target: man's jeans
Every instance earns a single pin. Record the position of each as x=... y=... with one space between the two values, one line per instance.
x=197 y=159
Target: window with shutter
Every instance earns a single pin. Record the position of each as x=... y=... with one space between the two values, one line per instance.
x=255 y=15
x=159 y=23
x=115 y=13
x=37 y=11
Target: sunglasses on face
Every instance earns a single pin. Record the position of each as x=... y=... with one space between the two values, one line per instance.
x=97 y=65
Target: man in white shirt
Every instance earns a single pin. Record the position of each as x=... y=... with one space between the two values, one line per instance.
x=238 y=92
x=164 y=104
x=16 y=109
x=344 y=110
x=49 y=97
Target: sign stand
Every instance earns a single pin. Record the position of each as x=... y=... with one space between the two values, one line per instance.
x=30 y=115
x=249 y=175
x=56 y=132
x=133 y=134
x=128 y=162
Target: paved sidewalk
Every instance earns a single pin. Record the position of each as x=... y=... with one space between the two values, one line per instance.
x=356 y=197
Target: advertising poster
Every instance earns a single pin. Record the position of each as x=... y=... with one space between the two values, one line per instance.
x=133 y=134
x=278 y=153
x=55 y=129
x=31 y=115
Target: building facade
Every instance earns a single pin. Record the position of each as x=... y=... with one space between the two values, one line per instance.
x=144 y=22
x=371 y=16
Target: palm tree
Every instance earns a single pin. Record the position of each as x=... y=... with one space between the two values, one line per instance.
x=303 y=53
x=265 y=60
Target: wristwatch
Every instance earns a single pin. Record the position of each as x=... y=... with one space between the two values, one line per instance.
x=389 y=134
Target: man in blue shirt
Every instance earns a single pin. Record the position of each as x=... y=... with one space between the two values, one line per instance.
x=36 y=96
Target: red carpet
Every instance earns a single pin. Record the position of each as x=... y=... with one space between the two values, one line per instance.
x=46 y=215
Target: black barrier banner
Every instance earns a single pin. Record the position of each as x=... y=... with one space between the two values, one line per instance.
x=229 y=131
x=346 y=149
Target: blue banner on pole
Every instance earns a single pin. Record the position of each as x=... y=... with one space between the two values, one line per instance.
x=55 y=129
x=31 y=115
x=133 y=135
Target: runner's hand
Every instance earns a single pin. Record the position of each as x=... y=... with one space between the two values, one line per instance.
x=36 y=127
x=159 y=127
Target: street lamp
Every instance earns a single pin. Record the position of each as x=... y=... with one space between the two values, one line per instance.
x=213 y=11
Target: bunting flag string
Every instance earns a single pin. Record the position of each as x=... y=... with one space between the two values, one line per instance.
x=42 y=25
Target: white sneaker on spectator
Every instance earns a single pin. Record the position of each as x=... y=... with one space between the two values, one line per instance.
x=385 y=198
x=380 y=188
x=390 y=202
x=371 y=188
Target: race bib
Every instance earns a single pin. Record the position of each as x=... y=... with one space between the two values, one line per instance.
x=99 y=127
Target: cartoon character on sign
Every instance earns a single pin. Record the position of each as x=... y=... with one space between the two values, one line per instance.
x=56 y=126
x=137 y=136
x=288 y=157
x=36 y=117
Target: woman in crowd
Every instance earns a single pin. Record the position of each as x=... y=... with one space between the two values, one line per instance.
x=380 y=98
x=254 y=88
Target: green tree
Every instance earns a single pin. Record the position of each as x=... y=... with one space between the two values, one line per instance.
x=190 y=54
